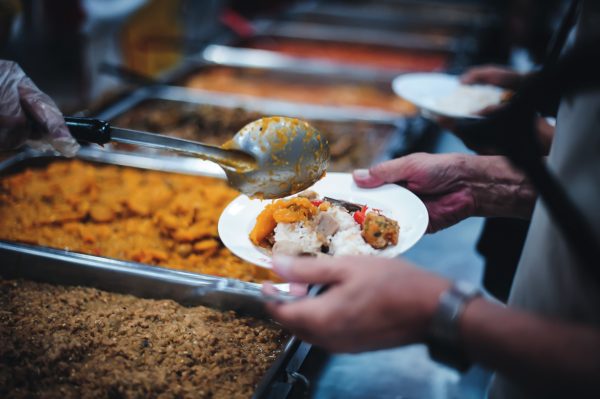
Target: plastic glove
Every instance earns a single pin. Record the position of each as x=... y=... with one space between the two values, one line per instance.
x=21 y=100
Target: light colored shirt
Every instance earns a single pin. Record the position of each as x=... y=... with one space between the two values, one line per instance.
x=549 y=281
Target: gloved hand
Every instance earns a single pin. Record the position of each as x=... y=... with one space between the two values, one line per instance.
x=21 y=100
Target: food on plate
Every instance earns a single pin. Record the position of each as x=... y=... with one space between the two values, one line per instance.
x=310 y=225
x=351 y=144
x=158 y=218
x=260 y=84
x=77 y=342
x=469 y=100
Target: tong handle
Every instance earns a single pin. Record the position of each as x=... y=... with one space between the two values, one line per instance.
x=89 y=130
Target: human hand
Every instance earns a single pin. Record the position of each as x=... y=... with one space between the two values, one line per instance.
x=493 y=75
x=371 y=303
x=454 y=187
x=20 y=99
x=485 y=74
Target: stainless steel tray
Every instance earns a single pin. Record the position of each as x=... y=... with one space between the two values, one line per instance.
x=56 y=265
x=69 y=268
x=382 y=133
x=404 y=14
x=252 y=103
x=393 y=39
x=229 y=55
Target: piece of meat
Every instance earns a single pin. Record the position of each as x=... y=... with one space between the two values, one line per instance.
x=379 y=231
x=289 y=248
x=349 y=206
x=309 y=194
x=326 y=225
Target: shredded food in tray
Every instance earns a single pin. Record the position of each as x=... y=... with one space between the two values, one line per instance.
x=144 y=216
x=74 y=342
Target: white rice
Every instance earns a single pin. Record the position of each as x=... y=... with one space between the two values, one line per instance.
x=467 y=100
x=344 y=219
x=346 y=241
x=349 y=242
x=298 y=233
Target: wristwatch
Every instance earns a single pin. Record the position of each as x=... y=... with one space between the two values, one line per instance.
x=443 y=339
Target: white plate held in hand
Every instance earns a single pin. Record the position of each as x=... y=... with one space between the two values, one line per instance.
x=239 y=218
x=439 y=94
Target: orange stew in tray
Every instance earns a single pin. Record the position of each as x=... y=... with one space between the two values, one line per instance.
x=257 y=83
x=372 y=55
x=151 y=217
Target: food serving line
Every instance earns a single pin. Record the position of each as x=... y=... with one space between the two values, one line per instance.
x=366 y=125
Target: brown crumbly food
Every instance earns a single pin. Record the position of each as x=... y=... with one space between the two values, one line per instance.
x=379 y=231
x=158 y=218
x=73 y=342
x=351 y=145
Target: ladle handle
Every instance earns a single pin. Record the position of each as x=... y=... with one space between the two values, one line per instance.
x=89 y=130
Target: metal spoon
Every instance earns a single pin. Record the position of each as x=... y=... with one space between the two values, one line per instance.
x=269 y=158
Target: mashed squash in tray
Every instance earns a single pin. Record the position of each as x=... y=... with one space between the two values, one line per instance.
x=151 y=217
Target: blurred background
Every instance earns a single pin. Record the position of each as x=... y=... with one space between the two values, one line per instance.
x=202 y=69
x=75 y=49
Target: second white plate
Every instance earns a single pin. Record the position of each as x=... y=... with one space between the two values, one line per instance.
x=439 y=94
x=238 y=219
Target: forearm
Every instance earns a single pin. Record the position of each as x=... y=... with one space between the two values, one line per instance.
x=537 y=353
x=498 y=189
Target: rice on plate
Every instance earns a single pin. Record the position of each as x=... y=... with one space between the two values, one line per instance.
x=310 y=225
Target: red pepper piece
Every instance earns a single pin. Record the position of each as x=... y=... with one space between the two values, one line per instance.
x=359 y=216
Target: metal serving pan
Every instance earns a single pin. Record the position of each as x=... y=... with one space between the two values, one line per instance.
x=69 y=268
x=413 y=15
x=381 y=132
x=300 y=68
x=258 y=104
x=394 y=39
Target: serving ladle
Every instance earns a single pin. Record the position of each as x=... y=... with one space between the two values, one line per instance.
x=271 y=157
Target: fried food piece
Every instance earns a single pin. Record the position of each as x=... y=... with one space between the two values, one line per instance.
x=379 y=231
x=291 y=210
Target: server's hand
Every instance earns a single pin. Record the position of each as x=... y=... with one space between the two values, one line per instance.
x=454 y=187
x=371 y=303
x=29 y=115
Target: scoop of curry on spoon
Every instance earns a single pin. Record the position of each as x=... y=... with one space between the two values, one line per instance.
x=272 y=157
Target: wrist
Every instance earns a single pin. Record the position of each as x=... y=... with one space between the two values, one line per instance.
x=498 y=189
x=444 y=338
x=430 y=300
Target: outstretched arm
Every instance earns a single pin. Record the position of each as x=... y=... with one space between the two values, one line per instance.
x=457 y=186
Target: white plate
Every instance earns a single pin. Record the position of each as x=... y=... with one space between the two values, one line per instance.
x=439 y=94
x=238 y=219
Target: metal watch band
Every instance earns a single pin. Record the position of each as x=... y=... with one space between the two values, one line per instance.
x=444 y=336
